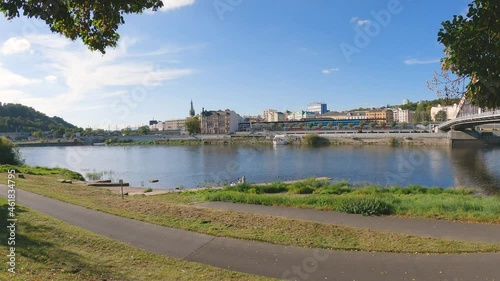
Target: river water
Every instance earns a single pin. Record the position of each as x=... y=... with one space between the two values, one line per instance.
x=196 y=166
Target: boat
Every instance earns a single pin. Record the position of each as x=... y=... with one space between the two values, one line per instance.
x=280 y=140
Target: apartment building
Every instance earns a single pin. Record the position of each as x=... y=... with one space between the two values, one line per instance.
x=380 y=115
x=219 y=122
x=405 y=116
x=170 y=125
x=272 y=115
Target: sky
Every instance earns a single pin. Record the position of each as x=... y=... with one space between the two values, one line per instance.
x=244 y=55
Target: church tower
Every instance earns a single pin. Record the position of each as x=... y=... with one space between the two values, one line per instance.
x=191 y=111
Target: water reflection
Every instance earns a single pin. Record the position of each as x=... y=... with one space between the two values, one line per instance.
x=193 y=166
x=477 y=168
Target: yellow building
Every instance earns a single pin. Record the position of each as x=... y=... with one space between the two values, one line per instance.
x=381 y=115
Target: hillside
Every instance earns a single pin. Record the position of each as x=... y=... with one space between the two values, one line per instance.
x=20 y=118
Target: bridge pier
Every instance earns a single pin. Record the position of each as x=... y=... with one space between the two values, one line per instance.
x=471 y=138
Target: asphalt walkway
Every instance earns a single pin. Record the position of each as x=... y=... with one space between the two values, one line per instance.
x=474 y=232
x=264 y=259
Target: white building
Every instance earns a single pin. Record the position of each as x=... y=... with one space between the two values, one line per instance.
x=405 y=116
x=451 y=111
x=317 y=107
x=299 y=115
x=276 y=117
x=170 y=125
x=158 y=126
x=406 y=101
x=395 y=113
x=268 y=113
x=272 y=115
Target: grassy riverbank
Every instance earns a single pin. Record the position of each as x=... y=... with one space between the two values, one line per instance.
x=412 y=201
x=48 y=249
x=37 y=170
x=173 y=210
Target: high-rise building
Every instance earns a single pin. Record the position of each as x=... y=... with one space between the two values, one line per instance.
x=317 y=107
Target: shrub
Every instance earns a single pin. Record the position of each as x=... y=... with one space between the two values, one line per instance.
x=395 y=142
x=337 y=188
x=149 y=189
x=9 y=154
x=277 y=187
x=366 y=206
x=314 y=140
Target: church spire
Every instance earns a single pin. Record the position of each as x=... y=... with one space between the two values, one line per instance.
x=191 y=111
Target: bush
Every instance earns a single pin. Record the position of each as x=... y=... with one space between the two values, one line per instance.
x=149 y=189
x=366 y=206
x=314 y=140
x=301 y=190
x=277 y=187
x=395 y=142
x=9 y=154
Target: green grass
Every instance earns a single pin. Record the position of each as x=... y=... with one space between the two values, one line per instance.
x=172 y=210
x=48 y=249
x=413 y=201
x=37 y=170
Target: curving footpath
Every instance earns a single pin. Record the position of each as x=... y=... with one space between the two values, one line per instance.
x=473 y=232
x=265 y=259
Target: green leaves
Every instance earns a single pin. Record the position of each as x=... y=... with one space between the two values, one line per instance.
x=472 y=48
x=95 y=22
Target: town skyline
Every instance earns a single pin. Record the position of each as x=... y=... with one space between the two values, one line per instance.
x=279 y=56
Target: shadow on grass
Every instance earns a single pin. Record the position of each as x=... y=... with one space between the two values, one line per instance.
x=34 y=242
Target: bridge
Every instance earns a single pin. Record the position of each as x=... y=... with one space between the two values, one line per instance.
x=470 y=116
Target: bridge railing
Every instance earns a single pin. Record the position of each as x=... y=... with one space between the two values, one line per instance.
x=470 y=117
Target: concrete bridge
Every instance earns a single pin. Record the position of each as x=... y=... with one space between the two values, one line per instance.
x=470 y=116
x=471 y=121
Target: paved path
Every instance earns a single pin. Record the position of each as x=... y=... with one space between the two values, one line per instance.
x=266 y=259
x=475 y=232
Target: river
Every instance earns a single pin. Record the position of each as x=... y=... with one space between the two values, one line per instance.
x=209 y=165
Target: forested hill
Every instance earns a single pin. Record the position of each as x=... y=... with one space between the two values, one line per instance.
x=20 y=118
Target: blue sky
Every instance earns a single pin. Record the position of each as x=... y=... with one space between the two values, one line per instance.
x=245 y=55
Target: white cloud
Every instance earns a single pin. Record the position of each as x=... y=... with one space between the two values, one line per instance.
x=10 y=80
x=354 y=19
x=51 y=78
x=52 y=41
x=175 y=4
x=88 y=79
x=330 y=70
x=15 y=45
x=363 y=22
x=417 y=61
